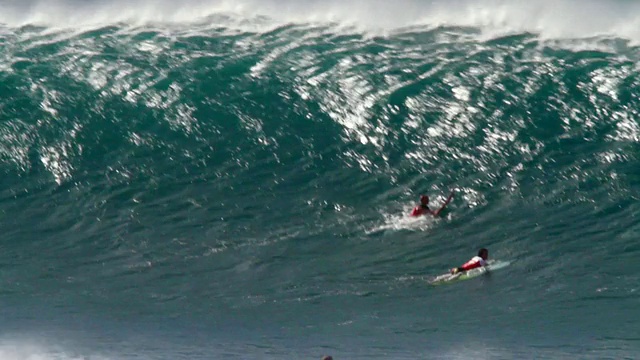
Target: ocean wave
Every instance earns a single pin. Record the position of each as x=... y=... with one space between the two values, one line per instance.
x=205 y=172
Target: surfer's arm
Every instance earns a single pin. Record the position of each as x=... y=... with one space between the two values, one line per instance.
x=446 y=202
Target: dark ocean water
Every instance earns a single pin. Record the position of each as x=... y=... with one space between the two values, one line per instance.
x=213 y=181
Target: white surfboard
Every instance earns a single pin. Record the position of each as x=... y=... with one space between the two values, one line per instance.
x=492 y=265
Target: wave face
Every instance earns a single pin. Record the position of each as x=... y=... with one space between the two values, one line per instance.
x=236 y=184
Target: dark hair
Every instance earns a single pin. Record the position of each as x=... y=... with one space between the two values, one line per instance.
x=483 y=250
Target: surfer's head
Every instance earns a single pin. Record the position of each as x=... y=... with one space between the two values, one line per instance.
x=424 y=200
x=483 y=253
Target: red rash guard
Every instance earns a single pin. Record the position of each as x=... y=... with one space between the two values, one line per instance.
x=475 y=262
x=419 y=210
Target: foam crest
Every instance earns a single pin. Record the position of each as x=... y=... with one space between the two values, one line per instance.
x=550 y=19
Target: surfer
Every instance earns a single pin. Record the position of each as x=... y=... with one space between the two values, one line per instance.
x=475 y=262
x=424 y=209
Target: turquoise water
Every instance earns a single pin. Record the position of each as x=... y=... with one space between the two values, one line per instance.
x=207 y=181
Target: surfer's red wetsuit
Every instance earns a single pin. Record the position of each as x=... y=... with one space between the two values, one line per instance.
x=475 y=262
x=420 y=210
x=423 y=208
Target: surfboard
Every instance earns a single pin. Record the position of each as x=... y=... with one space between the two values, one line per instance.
x=448 y=278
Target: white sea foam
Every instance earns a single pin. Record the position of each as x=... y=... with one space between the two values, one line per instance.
x=19 y=348
x=551 y=19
